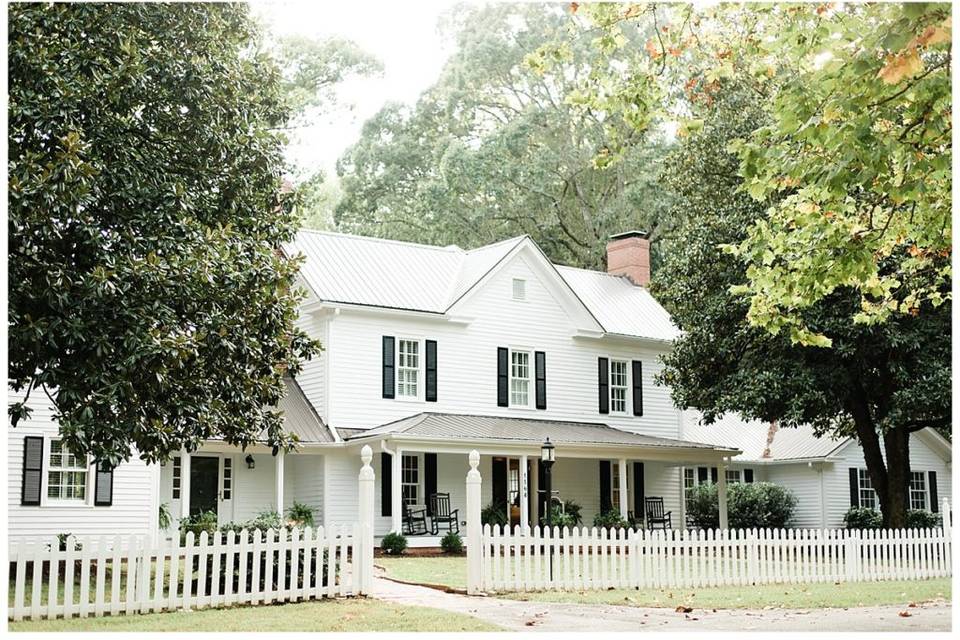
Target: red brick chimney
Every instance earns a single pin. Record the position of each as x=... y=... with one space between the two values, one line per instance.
x=628 y=254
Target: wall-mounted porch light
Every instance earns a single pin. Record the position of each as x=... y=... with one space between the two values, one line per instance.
x=251 y=463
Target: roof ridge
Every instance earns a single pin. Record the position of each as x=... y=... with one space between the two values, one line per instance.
x=600 y=273
x=514 y=239
x=452 y=248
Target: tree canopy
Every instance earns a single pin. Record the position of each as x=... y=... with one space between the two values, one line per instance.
x=493 y=150
x=854 y=162
x=148 y=294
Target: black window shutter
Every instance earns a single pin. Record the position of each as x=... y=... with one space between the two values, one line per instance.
x=503 y=363
x=638 y=490
x=389 y=377
x=701 y=474
x=32 y=470
x=540 y=365
x=386 y=485
x=934 y=500
x=854 y=488
x=430 y=395
x=603 y=385
x=748 y=476
x=713 y=475
x=103 y=489
x=429 y=478
x=499 y=486
x=637 y=387
x=605 y=501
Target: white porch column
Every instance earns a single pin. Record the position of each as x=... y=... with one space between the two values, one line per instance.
x=524 y=497
x=535 y=493
x=278 y=479
x=396 y=495
x=623 y=506
x=722 y=493
x=184 y=484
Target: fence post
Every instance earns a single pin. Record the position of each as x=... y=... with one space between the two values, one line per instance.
x=363 y=547
x=473 y=525
x=945 y=516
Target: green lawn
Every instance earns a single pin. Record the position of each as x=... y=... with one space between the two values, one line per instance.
x=356 y=614
x=453 y=572
x=449 y=571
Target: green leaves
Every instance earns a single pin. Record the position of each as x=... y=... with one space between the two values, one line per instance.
x=148 y=296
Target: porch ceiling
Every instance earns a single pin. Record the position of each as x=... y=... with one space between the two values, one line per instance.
x=458 y=428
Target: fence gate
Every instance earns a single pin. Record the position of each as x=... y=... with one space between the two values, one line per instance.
x=112 y=575
x=500 y=559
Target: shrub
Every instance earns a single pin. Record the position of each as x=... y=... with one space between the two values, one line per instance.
x=198 y=523
x=493 y=515
x=761 y=505
x=609 y=519
x=451 y=543
x=62 y=543
x=862 y=518
x=572 y=509
x=703 y=510
x=393 y=544
x=300 y=515
x=923 y=519
x=560 y=519
x=749 y=505
x=163 y=516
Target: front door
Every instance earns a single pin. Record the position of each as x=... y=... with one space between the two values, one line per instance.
x=204 y=481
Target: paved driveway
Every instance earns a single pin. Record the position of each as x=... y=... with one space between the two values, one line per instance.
x=515 y=615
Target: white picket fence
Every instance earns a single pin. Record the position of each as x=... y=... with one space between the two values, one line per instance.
x=96 y=576
x=542 y=558
x=582 y=558
x=134 y=576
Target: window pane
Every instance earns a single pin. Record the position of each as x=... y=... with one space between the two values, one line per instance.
x=618 y=386
x=520 y=378
x=408 y=369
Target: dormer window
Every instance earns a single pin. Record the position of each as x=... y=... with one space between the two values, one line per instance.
x=519 y=289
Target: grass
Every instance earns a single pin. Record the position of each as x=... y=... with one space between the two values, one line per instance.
x=355 y=614
x=452 y=571
x=449 y=571
x=789 y=596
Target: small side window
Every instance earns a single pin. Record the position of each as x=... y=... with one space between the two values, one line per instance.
x=519 y=289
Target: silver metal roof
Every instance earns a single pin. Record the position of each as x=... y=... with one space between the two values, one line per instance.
x=300 y=418
x=750 y=436
x=456 y=426
x=349 y=269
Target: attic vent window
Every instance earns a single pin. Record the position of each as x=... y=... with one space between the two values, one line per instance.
x=519 y=289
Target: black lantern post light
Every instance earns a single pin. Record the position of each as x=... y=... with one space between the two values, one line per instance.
x=548 y=455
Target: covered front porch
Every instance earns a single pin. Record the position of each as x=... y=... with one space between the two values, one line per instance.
x=599 y=468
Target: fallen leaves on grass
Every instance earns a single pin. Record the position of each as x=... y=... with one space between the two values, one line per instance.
x=684 y=609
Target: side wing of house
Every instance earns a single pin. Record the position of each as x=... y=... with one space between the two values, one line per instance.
x=50 y=492
x=930 y=463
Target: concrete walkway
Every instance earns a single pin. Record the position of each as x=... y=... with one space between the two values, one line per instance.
x=515 y=615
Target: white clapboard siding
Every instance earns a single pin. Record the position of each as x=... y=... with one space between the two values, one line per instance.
x=547 y=558
x=148 y=575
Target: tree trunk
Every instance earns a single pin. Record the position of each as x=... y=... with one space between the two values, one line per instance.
x=896 y=501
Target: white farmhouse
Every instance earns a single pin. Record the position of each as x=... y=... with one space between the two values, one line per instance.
x=430 y=352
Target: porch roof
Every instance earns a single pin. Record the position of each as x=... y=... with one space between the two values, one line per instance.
x=450 y=426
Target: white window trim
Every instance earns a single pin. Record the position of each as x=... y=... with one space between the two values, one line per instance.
x=531 y=378
x=419 y=483
x=926 y=490
x=861 y=489
x=615 y=473
x=626 y=393
x=739 y=476
x=223 y=479
x=45 y=501
x=421 y=369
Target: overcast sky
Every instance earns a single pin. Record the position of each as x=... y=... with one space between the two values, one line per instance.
x=402 y=34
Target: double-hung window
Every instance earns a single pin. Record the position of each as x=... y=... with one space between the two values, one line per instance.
x=918 y=490
x=408 y=368
x=66 y=474
x=410 y=479
x=868 y=497
x=519 y=378
x=689 y=482
x=733 y=476
x=618 y=386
